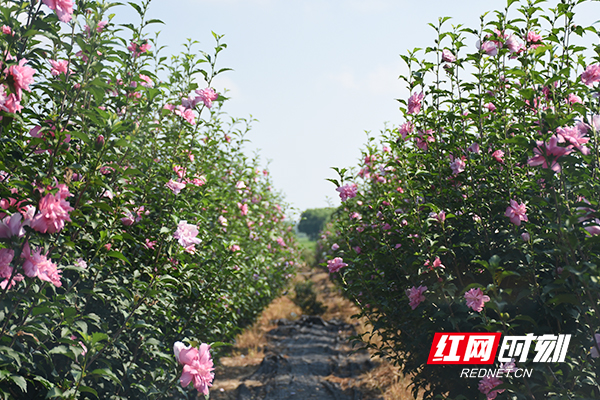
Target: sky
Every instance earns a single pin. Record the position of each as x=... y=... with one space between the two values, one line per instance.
x=316 y=74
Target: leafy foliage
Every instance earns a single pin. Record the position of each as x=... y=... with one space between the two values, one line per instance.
x=484 y=187
x=139 y=164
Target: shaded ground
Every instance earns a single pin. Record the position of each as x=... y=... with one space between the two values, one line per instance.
x=301 y=359
x=288 y=356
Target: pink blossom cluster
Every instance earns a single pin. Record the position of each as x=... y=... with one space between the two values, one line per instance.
x=547 y=154
x=22 y=76
x=197 y=366
x=516 y=212
x=457 y=164
x=347 y=191
x=476 y=299
x=591 y=74
x=59 y=67
x=63 y=8
x=336 y=264
x=6 y=271
x=415 y=102
x=405 y=129
x=137 y=49
x=38 y=265
x=415 y=296
x=487 y=385
x=53 y=211
x=186 y=235
x=424 y=138
x=447 y=56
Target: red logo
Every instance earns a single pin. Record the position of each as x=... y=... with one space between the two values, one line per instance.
x=464 y=348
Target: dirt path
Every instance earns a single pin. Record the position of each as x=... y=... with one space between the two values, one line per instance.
x=302 y=360
x=288 y=356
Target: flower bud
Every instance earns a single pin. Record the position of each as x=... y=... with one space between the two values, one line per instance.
x=99 y=142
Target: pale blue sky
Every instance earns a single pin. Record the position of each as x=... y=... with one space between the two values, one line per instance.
x=315 y=73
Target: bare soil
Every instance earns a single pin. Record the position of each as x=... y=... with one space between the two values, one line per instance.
x=286 y=355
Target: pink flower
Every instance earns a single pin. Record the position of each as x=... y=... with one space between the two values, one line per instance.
x=186 y=236
x=405 y=129
x=489 y=47
x=38 y=265
x=137 y=50
x=516 y=213
x=441 y=216
x=243 y=208
x=63 y=8
x=474 y=148
x=6 y=271
x=487 y=384
x=591 y=74
x=6 y=30
x=176 y=187
x=457 y=165
x=150 y=244
x=186 y=114
x=357 y=249
x=336 y=264
x=53 y=211
x=423 y=139
x=207 y=96
x=414 y=103
x=180 y=171
x=281 y=242
x=347 y=191
x=12 y=104
x=197 y=366
x=548 y=151
x=447 y=56
x=575 y=136
x=59 y=67
x=6 y=256
x=240 y=185
x=476 y=299
x=437 y=263
x=22 y=76
x=514 y=46
x=335 y=246
x=594 y=352
x=11 y=226
x=490 y=106
x=147 y=81
x=415 y=296
x=128 y=219
x=101 y=26
x=525 y=236
x=497 y=155
x=593 y=227
x=573 y=98
x=198 y=180
x=80 y=263
x=533 y=37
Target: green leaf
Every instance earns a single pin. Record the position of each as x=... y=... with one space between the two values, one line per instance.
x=119 y=255
x=106 y=372
x=19 y=381
x=82 y=136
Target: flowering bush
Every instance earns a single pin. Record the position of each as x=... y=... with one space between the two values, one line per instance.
x=495 y=176
x=130 y=218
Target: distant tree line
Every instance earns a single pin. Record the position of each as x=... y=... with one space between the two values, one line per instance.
x=313 y=220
